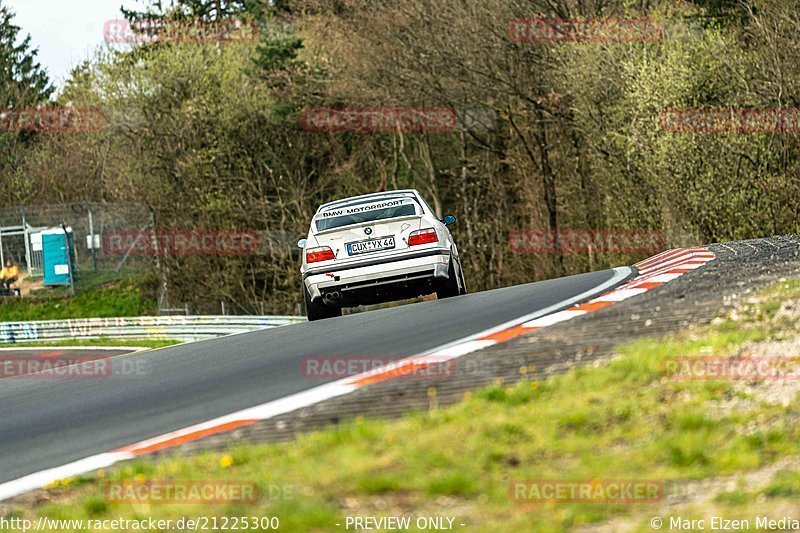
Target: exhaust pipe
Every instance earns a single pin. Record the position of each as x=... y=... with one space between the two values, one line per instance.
x=333 y=296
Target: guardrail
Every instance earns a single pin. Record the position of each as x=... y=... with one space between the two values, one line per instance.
x=157 y=327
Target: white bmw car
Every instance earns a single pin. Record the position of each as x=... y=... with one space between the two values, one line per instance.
x=377 y=248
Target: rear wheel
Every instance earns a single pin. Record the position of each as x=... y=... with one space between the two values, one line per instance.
x=318 y=310
x=449 y=287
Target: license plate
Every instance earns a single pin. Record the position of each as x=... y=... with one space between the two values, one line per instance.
x=372 y=245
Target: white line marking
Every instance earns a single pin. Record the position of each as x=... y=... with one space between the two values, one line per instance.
x=555 y=318
x=98 y=348
x=45 y=477
x=680 y=259
x=660 y=278
x=461 y=349
x=620 y=273
x=620 y=294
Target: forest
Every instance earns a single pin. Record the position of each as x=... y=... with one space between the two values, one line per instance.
x=549 y=116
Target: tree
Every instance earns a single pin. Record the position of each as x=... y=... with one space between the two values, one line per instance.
x=209 y=136
x=160 y=10
x=23 y=84
x=23 y=81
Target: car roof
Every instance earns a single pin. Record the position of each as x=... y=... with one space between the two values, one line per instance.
x=364 y=198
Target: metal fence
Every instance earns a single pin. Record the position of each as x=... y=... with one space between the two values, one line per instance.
x=20 y=227
x=118 y=241
x=184 y=328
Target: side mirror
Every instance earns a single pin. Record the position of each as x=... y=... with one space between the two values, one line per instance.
x=301 y=243
x=449 y=219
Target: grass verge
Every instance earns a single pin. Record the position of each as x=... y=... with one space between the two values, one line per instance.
x=621 y=421
x=143 y=343
x=96 y=296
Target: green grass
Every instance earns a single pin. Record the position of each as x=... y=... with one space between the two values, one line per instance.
x=776 y=500
x=620 y=421
x=103 y=295
x=143 y=343
x=785 y=484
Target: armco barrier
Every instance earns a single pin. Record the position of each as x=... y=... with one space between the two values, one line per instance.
x=145 y=327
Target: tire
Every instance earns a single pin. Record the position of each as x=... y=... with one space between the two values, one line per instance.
x=318 y=310
x=449 y=287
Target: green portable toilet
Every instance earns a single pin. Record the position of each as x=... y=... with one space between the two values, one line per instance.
x=58 y=255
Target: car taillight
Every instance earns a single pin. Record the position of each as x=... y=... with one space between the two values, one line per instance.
x=423 y=236
x=322 y=253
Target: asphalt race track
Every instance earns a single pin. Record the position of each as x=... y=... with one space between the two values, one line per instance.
x=46 y=423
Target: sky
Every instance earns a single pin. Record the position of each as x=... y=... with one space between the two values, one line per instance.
x=65 y=31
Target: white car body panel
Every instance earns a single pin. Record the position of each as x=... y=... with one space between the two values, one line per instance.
x=350 y=275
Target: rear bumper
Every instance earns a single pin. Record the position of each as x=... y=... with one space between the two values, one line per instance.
x=379 y=276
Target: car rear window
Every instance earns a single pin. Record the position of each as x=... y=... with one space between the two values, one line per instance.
x=365 y=216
